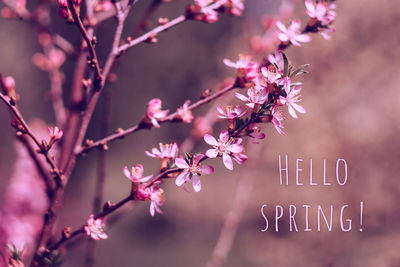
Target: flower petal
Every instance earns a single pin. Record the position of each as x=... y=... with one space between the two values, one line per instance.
x=212 y=153
x=227 y=161
x=181 y=163
x=181 y=179
x=207 y=169
x=196 y=183
x=209 y=139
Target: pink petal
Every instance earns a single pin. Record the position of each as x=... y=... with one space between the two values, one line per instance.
x=207 y=169
x=209 y=139
x=227 y=161
x=145 y=179
x=127 y=173
x=304 y=38
x=212 y=153
x=149 y=154
x=229 y=63
x=196 y=183
x=181 y=163
x=283 y=37
x=298 y=108
x=224 y=136
x=152 y=209
x=197 y=158
x=295 y=26
x=281 y=26
x=236 y=148
x=310 y=7
x=292 y=112
x=181 y=179
x=241 y=97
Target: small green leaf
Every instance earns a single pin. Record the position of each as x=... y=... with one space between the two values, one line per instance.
x=285 y=65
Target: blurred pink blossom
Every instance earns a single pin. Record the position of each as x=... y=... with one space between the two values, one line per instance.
x=292 y=33
x=154 y=112
x=95 y=228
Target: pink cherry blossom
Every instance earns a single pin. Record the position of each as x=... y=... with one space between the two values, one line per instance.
x=292 y=97
x=255 y=133
x=231 y=112
x=277 y=59
x=292 y=33
x=157 y=199
x=247 y=69
x=226 y=147
x=154 y=112
x=95 y=228
x=234 y=7
x=166 y=151
x=277 y=117
x=270 y=74
x=192 y=171
x=322 y=11
x=256 y=95
x=55 y=134
x=209 y=15
x=136 y=175
x=185 y=113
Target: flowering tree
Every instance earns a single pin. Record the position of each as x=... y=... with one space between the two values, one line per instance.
x=266 y=84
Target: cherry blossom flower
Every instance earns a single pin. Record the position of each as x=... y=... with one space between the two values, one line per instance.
x=270 y=74
x=276 y=119
x=325 y=32
x=292 y=97
x=64 y=11
x=234 y=7
x=292 y=33
x=185 y=113
x=95 y=228
x=226 y=147
x=136 y=175
x=322 y=11
x=157 y=199
x=192 y=171
x=277 y=59
x=154 y=112
x=55 y=134
x=167 y=151
x=231 y=112
x=256 y=95
x=255 y=133
x=203 y=12
x=247 y=69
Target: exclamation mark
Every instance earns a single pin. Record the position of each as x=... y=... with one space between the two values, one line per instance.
x=361 y=214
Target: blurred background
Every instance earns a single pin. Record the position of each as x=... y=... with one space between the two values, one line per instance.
x=351 y=96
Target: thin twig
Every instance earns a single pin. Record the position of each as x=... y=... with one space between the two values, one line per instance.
x=122 y=133
x=94 y=60
x=28 y=131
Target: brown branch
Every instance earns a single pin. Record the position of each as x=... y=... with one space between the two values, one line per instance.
x=101 y=174
x=26 y=130
x=151 y=33
x=143 y=25
x=110 y=210
x=122 y=133
x=94 y=60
